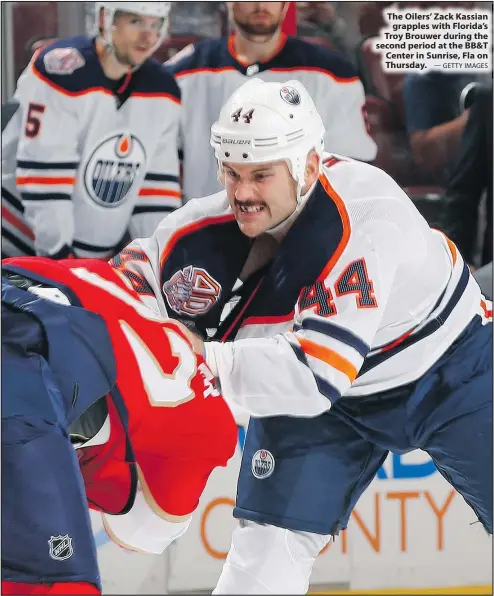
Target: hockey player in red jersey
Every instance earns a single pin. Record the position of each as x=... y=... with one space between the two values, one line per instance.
x=87 y=365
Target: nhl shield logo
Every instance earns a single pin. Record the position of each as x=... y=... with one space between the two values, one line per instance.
x=61 y=547
x=262 y=464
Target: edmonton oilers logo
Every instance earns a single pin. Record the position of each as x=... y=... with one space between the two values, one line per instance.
x=113 y=168
x=262 y=464
x=290 y=95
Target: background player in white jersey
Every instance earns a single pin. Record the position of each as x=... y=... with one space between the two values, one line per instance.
x=355 y=330
x=214 y=68
x=89 y=160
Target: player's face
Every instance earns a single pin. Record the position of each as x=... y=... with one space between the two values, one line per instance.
x=260 y=195
x=135 y=37
x=257 y=19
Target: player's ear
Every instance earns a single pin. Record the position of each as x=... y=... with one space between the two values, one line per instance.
x=312 y=168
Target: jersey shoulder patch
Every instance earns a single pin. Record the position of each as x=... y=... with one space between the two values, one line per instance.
x=71 y=65
x=63 y=61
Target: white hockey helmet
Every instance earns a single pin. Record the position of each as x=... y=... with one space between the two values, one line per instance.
x=266 y=122
x=149 y=9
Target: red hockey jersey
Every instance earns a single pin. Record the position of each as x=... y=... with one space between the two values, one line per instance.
x=168 y=427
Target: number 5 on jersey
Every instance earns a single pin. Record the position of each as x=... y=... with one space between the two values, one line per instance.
x=33 y=123
x=353 y=280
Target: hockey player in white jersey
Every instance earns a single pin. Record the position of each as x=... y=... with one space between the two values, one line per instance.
x=212 y=69
x=89 y=160
x=352 y=329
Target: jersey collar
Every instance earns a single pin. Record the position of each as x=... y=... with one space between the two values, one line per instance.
x=243 y=63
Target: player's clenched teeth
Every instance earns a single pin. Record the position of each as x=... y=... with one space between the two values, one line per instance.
x=251 y=209
x=249 y=206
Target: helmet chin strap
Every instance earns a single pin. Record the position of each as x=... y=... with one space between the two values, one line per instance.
x=301 y=198
x=301 y=201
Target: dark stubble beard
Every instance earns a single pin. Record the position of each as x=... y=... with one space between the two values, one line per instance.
x=257 y=33
x=123 y=59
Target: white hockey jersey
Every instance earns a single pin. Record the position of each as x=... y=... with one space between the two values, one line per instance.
x=361 y=296
x=85 y=157
x=210 y=71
